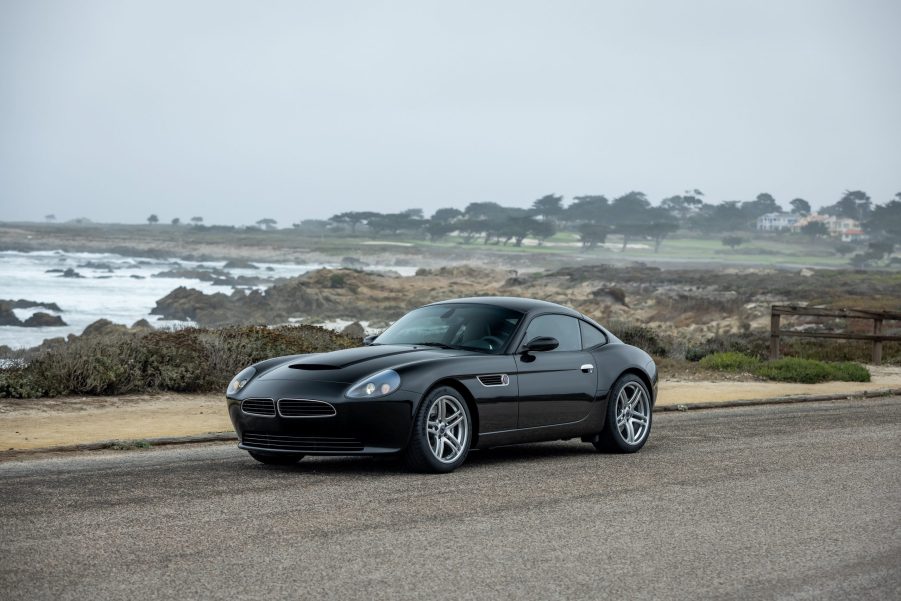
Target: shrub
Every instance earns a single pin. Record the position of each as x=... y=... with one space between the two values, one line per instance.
x=788 y=369
x=730 y=361
x=809 y=371
x=337 y=280
x=132 y=361
x=645 y=338
x=755 y=344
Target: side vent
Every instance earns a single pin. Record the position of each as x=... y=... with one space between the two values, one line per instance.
x=494 y=380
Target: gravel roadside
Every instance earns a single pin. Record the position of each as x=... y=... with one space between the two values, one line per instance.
x=30 y=424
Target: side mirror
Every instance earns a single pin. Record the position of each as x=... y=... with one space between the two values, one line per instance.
x=541 y=344
x=367 y=340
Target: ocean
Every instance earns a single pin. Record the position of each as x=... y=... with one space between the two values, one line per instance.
x=123 y=295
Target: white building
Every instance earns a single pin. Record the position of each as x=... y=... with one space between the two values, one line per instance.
x=776 y=222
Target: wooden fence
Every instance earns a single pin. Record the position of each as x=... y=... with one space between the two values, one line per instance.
x=877 y=317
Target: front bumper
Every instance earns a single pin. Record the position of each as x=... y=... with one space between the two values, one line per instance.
x=358 y=427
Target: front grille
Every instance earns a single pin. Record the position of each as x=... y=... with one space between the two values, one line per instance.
x=302 y=444
x=304 y=408
x=494 y=380
x=259 y=407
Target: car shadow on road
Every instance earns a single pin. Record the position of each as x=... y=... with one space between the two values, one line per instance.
x=535 y=452
x=393 y=464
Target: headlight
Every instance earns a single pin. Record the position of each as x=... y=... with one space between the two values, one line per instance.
x=376 y=385
x=241 y=380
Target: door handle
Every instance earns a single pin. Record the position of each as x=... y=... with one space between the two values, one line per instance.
x=587 y=368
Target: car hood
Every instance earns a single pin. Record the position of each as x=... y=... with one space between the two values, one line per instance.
x=350 y=365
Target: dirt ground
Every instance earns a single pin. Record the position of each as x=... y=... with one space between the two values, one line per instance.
x=42 y=423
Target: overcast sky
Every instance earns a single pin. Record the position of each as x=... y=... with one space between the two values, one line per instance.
x=292 y=110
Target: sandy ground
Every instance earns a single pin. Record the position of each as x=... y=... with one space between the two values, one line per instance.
x=42 y=423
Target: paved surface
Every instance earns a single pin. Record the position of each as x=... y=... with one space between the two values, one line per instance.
x=794 y=501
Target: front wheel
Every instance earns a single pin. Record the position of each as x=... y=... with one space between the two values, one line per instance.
x=442 y=432
x=280 y=459
x=628 y=420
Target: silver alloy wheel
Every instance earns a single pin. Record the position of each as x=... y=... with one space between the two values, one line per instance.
x=447 y=428
x=633 y=413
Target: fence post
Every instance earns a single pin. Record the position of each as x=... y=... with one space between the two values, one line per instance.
x=877 y=344
x=774 y=336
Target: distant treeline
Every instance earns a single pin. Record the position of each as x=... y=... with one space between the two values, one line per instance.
x=594 y=217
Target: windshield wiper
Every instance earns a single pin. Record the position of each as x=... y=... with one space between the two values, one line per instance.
x=435 y=344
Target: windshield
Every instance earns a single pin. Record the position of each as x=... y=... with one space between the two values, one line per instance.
x=471 y=327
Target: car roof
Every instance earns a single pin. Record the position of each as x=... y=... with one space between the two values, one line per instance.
x=523 y=305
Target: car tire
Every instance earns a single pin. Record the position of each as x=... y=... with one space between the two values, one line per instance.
x=286 y=459
x=629 y=417
x=442 y=432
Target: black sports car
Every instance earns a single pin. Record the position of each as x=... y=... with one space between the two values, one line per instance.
x=448 y=377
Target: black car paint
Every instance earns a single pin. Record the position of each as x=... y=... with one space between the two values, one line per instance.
x=547 y=396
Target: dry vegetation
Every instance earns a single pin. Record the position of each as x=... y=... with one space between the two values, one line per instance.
x=138 y=360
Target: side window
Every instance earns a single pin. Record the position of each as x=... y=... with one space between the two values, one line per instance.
x=564 y=328
x=591 y=336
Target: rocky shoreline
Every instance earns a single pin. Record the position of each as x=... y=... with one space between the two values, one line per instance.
x=698 y=303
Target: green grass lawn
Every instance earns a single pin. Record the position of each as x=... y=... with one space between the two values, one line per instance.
x=759 y=251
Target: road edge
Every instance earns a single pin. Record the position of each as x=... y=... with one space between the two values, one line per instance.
x=212 y=437
x=781 y=400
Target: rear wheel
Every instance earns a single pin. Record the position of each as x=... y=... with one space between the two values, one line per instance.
x=628 y=422
x=286 y=459
x=442 y=432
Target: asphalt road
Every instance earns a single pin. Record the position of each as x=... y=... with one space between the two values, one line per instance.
x=792 y=501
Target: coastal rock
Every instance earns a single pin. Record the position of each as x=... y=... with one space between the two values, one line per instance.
x=204 y=275
x=321 y=294
x=29 y=304
x=141 y=324
x=354 y=330
x=8 y=318
x=186 y=304
x=99 y=266
x=612 y=293
x=71 y=273
x=239 y=264
x=513 y=282
x=53 y=343
x=241 y=280
x=353 y=263
x=103 y=327
x=43 y=320
x=456 y=271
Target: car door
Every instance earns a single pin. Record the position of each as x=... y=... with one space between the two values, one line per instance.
x=558 y=386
